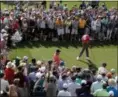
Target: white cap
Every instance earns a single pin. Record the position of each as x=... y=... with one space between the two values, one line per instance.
x=39 y=62
x=65 y=85
x=9 y=65
x=99 y=77
x=3 y=31
x=83 y=82
x=113 y=70
x=111 y=93
x=25 y=58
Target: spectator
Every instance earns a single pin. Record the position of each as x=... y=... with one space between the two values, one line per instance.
x=4 y=84
x=13 y=89
x=102 y=68
x=73 y=86
x=86 y=93
x=51 y=89
x=9 y=72
x=111 y=87
x=101 y=92
x=64 y=92
x=97 y=84
x=61 y=81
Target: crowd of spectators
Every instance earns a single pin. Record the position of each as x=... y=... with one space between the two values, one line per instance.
x=53 y=78
x=58 y=22
x=20 y=78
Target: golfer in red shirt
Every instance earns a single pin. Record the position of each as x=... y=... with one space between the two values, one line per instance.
x=85 y=44
x=56 y=58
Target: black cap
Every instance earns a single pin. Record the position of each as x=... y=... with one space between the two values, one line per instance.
x=58 y=50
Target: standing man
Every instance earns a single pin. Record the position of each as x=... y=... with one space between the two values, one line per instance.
x=85 y=43
x=56 y=58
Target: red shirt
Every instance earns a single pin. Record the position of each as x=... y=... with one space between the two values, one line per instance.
x=56 y=59
x=85 y=38
x=9 y=75
x=15 y=26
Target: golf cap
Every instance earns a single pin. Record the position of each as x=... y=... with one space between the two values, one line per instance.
x=99 y=77
x=65 y=86
x=58 y=50
x=113 y=70
x=111 y=93
x=25 y=58
x=83 y=82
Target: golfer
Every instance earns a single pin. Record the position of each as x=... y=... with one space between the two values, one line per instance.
x=85 y=44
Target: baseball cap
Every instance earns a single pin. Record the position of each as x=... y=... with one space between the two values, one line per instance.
x=113 y=70
x=111 y=93
x=83 y=82
x=65 y=85
x=99 y=77
x=25 y=58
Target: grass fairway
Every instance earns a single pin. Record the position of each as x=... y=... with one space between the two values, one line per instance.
x=70 y=4
x=45 y=50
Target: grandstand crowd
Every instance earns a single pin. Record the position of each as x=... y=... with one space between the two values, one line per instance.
x=21 y=78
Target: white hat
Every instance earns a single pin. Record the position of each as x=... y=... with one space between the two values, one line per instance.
x=25 y=58
x=111 y=93
x=99 y=77
x=83 y=82
x=65 y=85
x=39 y=62
x=113 y=70
x=9 y=65
x=3 y=31
x=6 y=27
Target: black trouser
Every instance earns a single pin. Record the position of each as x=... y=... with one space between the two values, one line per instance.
x=85 y=47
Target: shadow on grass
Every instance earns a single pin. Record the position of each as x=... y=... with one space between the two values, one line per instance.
x=90 y=64
x=66 y=44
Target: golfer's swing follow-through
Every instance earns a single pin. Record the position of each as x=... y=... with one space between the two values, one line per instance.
x=85 y=46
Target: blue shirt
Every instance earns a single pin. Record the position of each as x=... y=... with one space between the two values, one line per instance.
x=114 y=90
x=32 y=76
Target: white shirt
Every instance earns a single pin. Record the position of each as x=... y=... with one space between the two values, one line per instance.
x=96 y=85
x=38 y=75
x=43 y=24
x=63 y=93
x=4 y=85
x=102 y=69
x=72 y=88
x=93 y=24
x=50 y=24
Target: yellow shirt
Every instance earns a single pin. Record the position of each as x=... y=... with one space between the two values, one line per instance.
x=82 y=23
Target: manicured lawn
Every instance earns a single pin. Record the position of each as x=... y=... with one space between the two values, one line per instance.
x=70 y=4
x=69 y=51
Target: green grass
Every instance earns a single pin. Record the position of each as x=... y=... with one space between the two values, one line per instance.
x=70 y=4
x=6 y=6
x=45 y=50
